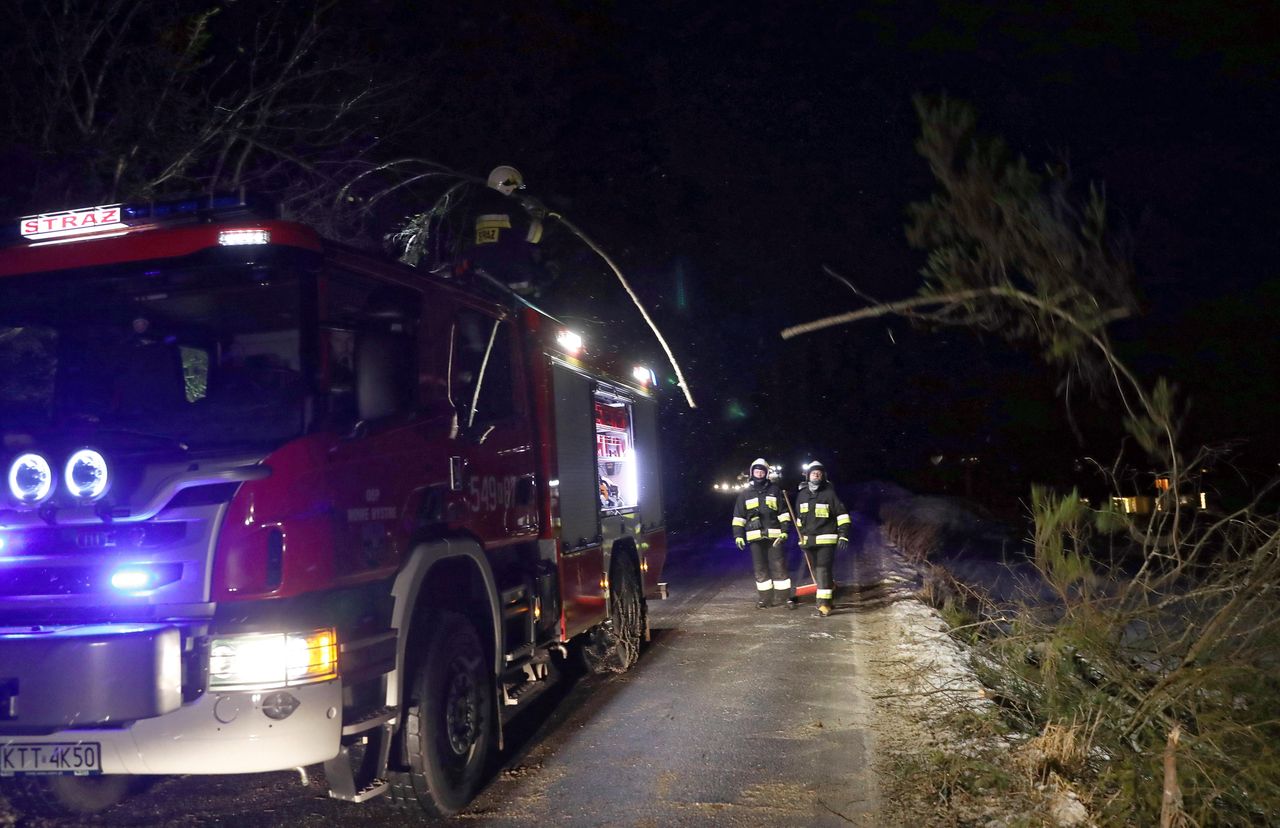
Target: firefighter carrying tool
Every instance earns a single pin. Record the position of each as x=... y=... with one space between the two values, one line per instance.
x=823 y=523
x=759 y=520
x=803 y=589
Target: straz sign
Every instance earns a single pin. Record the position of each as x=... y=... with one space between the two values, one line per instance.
x=85 y=221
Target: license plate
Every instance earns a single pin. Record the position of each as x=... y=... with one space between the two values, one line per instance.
x=78 y=758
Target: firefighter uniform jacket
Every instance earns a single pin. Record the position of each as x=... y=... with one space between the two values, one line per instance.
x=760 y=513
x=502 y=238
x=822 y=518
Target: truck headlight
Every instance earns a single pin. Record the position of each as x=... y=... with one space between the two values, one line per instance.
x=30 y=478
x=86 y=475
x=262 y=660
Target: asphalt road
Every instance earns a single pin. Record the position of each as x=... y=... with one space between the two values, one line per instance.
x=733 y=717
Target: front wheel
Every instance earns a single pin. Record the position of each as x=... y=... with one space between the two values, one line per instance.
x=614 y=647
x=449 y=720
x=65 y=796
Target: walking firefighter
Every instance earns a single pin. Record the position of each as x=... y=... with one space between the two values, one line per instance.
x=760 y=520
x=823 y=524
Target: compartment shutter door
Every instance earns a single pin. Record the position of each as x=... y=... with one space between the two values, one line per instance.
x=645 y=420
x=576 y=458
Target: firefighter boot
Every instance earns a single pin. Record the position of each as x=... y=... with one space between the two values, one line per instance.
x=764 y=597
x=793 y=602
x=824 y=609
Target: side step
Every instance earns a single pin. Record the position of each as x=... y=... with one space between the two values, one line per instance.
x=374 y=718
x=532 y=676
x=360 y=784
x=373 y=790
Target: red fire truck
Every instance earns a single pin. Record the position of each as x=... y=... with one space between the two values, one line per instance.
x=270 y=501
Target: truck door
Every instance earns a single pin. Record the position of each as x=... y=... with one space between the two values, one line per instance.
x=492 y=454
x=383 y=454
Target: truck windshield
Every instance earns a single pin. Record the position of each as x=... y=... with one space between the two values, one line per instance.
x=203 y=356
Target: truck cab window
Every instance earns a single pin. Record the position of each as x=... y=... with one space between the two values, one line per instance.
x=481 y=385
x=160 y=352
x=367 y=347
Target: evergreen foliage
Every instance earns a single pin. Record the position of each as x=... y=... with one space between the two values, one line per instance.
x=1149 y=673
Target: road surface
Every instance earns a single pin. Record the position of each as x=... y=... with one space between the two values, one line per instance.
x=734 y=717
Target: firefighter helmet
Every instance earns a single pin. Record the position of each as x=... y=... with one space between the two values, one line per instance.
x=812 y=465
x=759 y=462
x=505 y=180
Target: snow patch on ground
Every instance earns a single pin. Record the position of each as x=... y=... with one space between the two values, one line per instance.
x=921 y=677
x=927 y=662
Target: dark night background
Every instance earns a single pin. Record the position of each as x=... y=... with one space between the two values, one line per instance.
x=724 y=152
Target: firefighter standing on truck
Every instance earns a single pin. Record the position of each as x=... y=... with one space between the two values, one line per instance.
x=503 y=233
x=760 y=520
x=823 y=524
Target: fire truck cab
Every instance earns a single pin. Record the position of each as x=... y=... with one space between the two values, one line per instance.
x=270 y=501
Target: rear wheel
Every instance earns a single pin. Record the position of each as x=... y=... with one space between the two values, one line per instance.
x=614 y=647
x=65 y=796
x=449 y=720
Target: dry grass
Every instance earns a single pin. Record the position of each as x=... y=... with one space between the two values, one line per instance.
x=1060 y=750
x=917 y=541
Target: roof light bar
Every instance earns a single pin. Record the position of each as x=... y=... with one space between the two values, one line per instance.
x=249 y=235
x=113 y=219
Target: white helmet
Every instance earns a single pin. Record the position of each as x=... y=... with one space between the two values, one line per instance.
x=761 y=463
x=505 y=180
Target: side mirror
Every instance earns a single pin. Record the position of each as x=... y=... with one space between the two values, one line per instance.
x=383 y=385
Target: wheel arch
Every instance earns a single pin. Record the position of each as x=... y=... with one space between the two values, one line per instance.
x=621 y=548
x=442 y=572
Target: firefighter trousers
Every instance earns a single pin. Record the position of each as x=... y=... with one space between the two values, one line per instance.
x=822 y=557
x=770 y=564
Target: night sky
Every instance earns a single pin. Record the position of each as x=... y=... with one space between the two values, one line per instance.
x=723 y=152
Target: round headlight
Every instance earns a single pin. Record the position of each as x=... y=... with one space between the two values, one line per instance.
x=30 y=478
x=86 y=474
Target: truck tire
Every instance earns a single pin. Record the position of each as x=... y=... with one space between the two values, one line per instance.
x=65 y=796
x=449 y=720
x=614 y=647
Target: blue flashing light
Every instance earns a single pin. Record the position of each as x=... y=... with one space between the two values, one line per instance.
x=196 y=207
x=132 y=579
x=10 y=544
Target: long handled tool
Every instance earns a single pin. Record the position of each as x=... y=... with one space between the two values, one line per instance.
x=807 y=589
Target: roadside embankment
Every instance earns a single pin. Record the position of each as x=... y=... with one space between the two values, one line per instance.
x=945 y=754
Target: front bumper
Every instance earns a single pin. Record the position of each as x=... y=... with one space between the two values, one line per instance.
x=53 y=678
x=220 y=733
x=119 y=686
